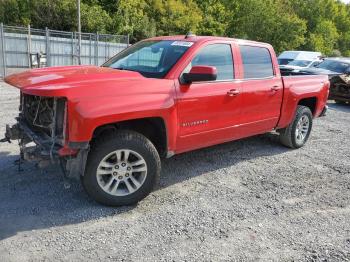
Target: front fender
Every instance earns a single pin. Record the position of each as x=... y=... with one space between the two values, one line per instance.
x=84 y=116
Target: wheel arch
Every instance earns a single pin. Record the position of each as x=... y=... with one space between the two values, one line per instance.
x=154 y=128
x=310 y=102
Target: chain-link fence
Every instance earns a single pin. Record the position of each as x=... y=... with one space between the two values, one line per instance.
x=25 y=47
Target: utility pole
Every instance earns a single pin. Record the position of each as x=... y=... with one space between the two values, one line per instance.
x=79 y=33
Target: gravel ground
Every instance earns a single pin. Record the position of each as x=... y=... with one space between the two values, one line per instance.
x=246 y=200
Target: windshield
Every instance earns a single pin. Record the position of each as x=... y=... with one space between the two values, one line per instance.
x=301 y=63
x=152 y=59
x=335 y=66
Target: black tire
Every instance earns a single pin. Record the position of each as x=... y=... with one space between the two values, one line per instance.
x=288 y=135
x=102 y=147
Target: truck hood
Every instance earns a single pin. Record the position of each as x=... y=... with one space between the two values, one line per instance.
x=76 y=82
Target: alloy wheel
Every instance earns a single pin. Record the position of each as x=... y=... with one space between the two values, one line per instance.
x=121 y=172
x=302 y=129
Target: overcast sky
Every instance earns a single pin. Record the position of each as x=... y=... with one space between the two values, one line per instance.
x=346 y=1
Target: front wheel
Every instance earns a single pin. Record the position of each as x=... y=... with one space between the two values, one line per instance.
x=298 y=132
x=122 y=168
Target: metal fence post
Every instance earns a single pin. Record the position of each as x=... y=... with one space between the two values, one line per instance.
x=105 y=48
x=29 y=46
x=108 y=51
x=3 y=51
x=48 y=56
x=96 y=49
x=79 y=48
x=72 y=35
x=127 y=40
x=79 y=32
x=90 y=49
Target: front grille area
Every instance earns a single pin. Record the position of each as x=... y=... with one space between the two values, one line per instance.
x=45 y=115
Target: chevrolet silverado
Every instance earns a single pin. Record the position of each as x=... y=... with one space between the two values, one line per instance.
x=111 y=125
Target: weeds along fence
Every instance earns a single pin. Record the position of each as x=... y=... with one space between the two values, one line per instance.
x=25 y=47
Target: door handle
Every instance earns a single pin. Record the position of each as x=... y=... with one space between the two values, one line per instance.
x=233 y=92
x=275 y=88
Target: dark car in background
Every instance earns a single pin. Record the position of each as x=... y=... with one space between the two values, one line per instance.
x=330 y=66
x=338 y=70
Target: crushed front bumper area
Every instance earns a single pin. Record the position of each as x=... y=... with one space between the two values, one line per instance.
x=39 y=148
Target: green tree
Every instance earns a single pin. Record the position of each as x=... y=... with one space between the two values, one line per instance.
x=322 y=25
x=54 y=14
x=215 y=15
x=175 y=16
x=342 y=22
x=132 y=18
x=267 y=21
x=14 y=12
x=324 y=38
x=328 y=24
x=95 y=19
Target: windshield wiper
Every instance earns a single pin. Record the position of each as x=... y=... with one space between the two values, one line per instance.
x=124 y=69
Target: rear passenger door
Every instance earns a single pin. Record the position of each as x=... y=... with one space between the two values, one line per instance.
x=262 y=90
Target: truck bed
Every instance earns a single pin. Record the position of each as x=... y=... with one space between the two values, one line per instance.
x=297 y=87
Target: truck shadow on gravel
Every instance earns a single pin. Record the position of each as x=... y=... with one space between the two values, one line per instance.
x=188 y=165
x=339 y=107
x=36 y=199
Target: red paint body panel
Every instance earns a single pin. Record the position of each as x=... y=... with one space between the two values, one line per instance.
x=297 y=88
x=195 y=115
x=203 y=70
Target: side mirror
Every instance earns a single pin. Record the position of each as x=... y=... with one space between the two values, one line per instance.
x=200 y=74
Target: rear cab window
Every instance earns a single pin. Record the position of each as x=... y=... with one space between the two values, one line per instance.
x=257 y=62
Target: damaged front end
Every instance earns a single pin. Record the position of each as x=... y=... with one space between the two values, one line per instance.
x=41 y=133
x=340 y=88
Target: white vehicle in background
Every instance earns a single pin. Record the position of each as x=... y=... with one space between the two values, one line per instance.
x=294 y=61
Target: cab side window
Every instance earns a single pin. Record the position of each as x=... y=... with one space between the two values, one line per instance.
x=217 y=55
x=257 y=62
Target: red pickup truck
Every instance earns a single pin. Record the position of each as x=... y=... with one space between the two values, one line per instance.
x=111 y=125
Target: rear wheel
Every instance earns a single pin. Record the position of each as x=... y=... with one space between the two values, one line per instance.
x=122 y=169
x=298 y=132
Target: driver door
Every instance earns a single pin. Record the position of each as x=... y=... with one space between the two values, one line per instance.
x=209 y=112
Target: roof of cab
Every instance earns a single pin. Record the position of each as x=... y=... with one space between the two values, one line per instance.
x=195 y=38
